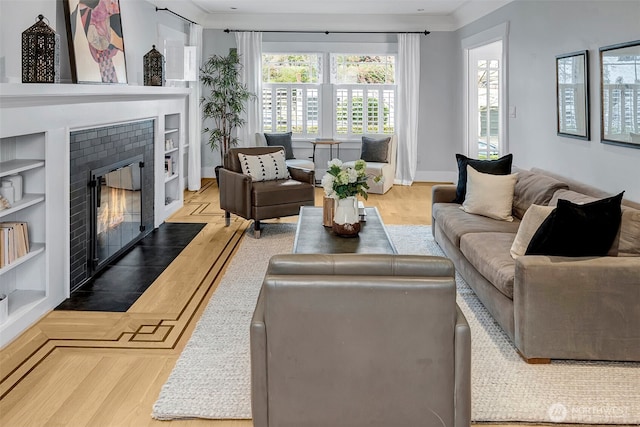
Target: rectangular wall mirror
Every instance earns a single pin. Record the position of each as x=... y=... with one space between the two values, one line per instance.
x=620 y=94
x=572 y=94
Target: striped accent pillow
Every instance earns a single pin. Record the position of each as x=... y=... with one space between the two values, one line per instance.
x=265 y=167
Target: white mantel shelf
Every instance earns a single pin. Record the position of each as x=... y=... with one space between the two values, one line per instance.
x=35 y=94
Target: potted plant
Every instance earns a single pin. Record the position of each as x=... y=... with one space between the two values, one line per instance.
x=225 y=101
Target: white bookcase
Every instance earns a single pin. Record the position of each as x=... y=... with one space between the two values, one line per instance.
x=172 y=164
x=25 y=280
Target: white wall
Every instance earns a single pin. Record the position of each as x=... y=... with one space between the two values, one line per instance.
x=139 y=27
x=439 y=129
x=540 y=30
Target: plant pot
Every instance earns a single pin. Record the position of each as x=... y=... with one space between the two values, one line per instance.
x=346 y=220
x=217 y=172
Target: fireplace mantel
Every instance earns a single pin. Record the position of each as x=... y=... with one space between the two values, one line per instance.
x=35 y=94
x=36 y=121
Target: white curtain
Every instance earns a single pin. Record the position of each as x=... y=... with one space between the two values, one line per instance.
x=408 y=81
x=195 y=115
x=250 y=51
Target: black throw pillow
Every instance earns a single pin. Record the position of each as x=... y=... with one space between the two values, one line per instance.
x=375 y=150
x=501 y=166
x=578 y=230
x=281 y=140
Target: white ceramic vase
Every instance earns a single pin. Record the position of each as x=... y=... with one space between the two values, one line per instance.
x=16 y=181
x=346 y=220
x=6 y=190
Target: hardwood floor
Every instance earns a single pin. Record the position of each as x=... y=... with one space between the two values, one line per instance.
x=106 y=369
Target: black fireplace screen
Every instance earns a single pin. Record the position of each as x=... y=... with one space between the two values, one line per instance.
x=116 y=219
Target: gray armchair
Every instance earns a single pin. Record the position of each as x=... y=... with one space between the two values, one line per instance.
x=266 y=199
x=360 y=340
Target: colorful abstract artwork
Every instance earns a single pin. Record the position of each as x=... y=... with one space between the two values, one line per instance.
x=96 y=43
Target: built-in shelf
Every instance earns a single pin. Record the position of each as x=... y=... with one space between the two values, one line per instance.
x=26 y=201
x=35 y=250
x=11 y=167
x=171 y=190
x=21 y=301
x=24 y=280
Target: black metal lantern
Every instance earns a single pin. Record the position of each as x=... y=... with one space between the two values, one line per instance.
x=153 y=68
x=40 y=54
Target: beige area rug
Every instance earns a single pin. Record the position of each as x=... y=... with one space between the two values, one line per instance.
x=212 y=380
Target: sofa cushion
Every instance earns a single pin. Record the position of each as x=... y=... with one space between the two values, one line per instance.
x=375 y=150
x=281 y=139
x=627 y=243
x=578 y=230
x=455 y=223
x=531 y=221
x=501 y=166
x=533 y=188
x=264 y=167
x=489 y=195
x=489 y=254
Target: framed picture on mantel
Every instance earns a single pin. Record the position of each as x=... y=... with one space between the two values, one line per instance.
x=620 y=94
x=96 y=43
x=572 y=94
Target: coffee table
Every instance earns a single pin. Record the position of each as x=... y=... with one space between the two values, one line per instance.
x=314 y=238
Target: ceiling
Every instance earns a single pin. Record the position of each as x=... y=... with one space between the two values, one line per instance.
x=386 y=15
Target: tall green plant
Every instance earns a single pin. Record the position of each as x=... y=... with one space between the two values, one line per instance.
x=225 y=101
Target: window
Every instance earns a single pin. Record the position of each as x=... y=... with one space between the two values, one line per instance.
x=364 y=94
x=485 y=89
x=362 y=91
x=484 y=106
x=291 y=93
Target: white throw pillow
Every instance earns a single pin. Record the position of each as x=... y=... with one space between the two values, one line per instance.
x=531 y=221
x=489 y=195
x=264 y=167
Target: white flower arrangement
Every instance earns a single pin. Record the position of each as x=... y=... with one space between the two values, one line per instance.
x=342 y=181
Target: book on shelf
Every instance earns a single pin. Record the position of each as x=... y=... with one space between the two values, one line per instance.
x=168 y=166
x=14 y=241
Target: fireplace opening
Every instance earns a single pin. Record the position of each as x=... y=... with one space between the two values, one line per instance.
x=116 y=211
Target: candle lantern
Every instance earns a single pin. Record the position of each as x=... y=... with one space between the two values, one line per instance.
x=153 y=68
x=40 y=54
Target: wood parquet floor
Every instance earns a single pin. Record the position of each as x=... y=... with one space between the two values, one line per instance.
x=106 y=369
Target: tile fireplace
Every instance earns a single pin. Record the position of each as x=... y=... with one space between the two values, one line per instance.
x=111 y=194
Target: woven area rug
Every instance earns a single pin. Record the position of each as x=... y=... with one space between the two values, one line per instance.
x=212 y=380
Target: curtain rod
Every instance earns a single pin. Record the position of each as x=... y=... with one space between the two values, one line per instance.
x=178 y=15
x=425 y=32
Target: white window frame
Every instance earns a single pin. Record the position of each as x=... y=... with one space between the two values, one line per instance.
x=366 y=89
x=498 y=33
x=327 y=101
x=289 y=87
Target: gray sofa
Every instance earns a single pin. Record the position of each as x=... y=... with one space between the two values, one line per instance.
x=551 y=307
